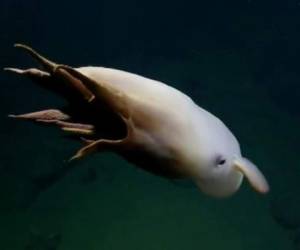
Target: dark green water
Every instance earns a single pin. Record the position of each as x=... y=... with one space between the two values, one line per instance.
x=237 y=59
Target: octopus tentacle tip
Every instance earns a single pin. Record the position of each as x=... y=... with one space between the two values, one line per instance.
x=18 y=45
x=74 y=158
x=86 y=141
x=47 y=64
x=25 y=47
x=15 y=70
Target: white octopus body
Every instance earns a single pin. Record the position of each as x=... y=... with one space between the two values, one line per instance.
x=167 y=132
x=183 y=135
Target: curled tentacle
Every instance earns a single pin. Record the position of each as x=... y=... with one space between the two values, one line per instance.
x=47 y=64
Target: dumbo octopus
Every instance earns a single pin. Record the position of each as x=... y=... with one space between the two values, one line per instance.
x=151 y=124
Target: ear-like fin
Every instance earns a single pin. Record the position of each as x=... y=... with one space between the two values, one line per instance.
x=253 y=174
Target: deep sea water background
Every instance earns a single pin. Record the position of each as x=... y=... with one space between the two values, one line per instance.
x=238 y=59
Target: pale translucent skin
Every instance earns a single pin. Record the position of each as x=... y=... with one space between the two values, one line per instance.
x=181 y=130
x=166 y=133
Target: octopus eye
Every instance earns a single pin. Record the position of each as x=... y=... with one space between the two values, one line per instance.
x=220 y=161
